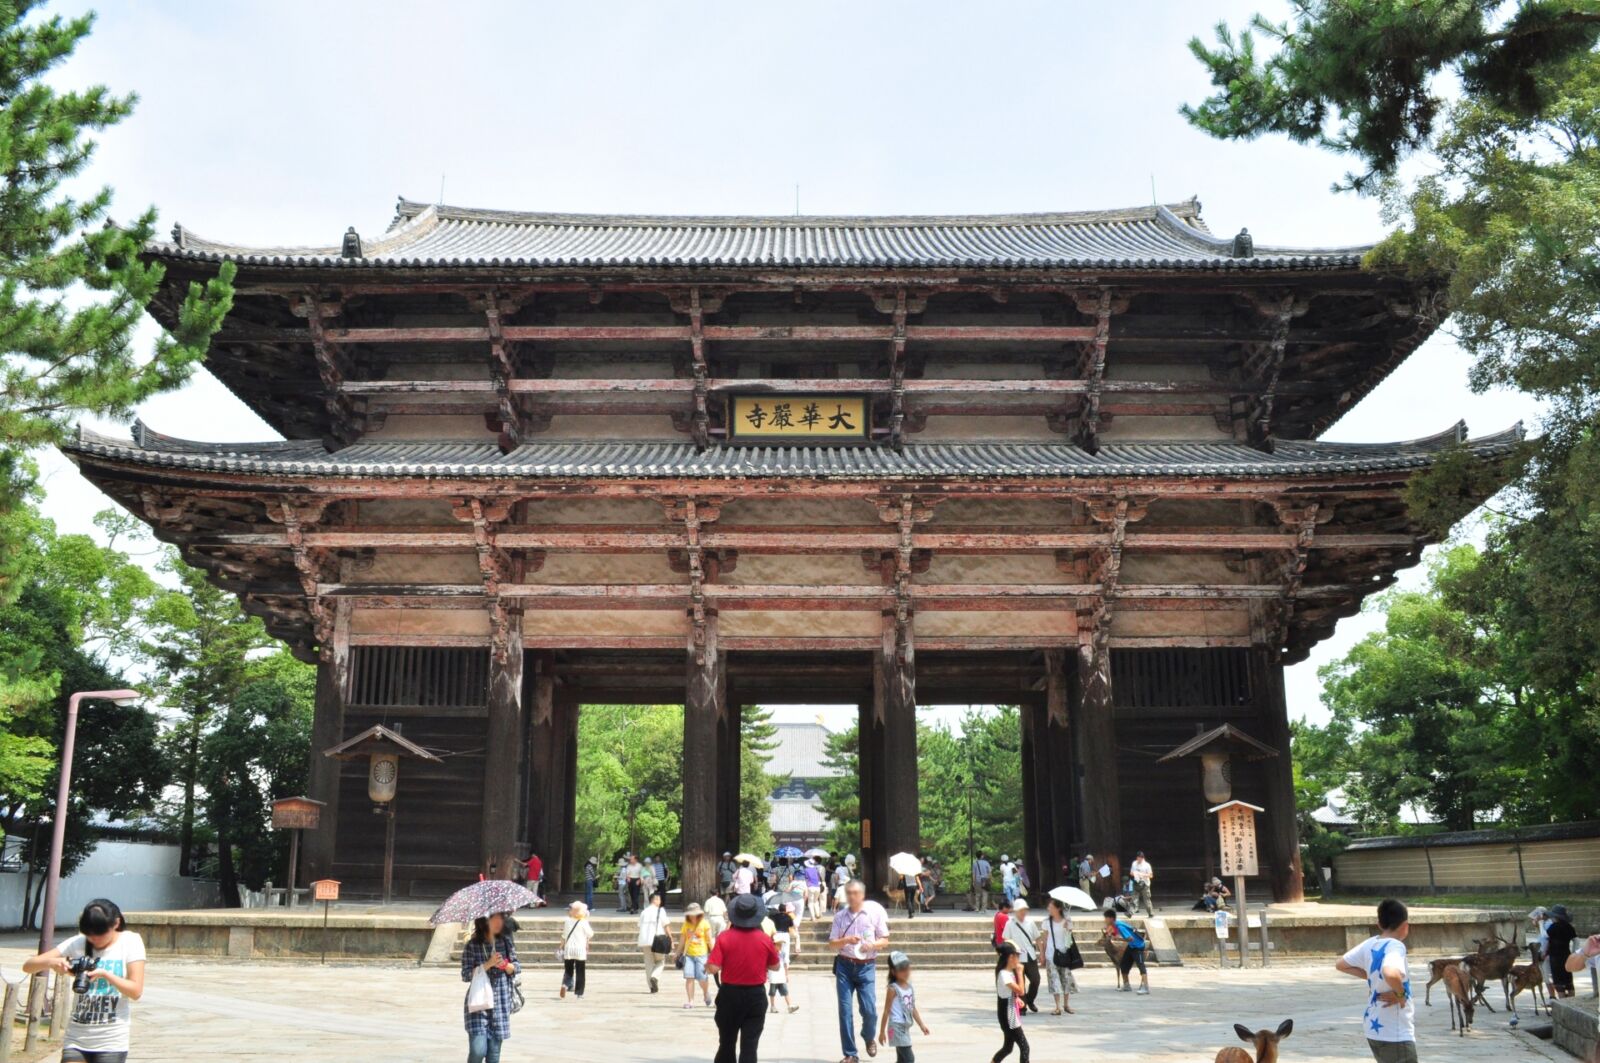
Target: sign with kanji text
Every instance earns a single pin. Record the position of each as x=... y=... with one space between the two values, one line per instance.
x=799 y=418
x=1236 y=833
x=325 y=889
x=296 y=813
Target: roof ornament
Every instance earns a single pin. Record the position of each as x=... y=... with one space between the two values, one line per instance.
x=177 y=235
x=351 y=248
x=1243 y=245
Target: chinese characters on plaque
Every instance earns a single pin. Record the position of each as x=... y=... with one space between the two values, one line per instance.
x=796 y=418
x=1236 y=831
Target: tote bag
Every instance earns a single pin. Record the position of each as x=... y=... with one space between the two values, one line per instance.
x=479 y=996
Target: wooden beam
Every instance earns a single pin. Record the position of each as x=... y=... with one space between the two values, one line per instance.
x=503 y=754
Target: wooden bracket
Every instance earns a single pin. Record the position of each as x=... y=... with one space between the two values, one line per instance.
x=693 y=513
x=312 y=566
x=502 y=370
x=1264 y=368
x=495 y=565
x=345 y=425
x=700 y=425
x=1092 y=369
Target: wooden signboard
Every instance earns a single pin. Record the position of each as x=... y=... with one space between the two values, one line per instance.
x=799 y=418
x=296 y=813
x=325 y=889
x=1236 y=833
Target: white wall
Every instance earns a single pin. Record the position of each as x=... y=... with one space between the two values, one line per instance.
x=139 y=876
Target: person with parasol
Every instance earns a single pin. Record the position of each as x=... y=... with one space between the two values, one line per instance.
x=488 y=961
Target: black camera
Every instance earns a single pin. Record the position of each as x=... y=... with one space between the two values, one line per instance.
x=81 y=966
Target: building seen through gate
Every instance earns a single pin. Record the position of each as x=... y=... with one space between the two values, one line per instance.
x=1072 y=462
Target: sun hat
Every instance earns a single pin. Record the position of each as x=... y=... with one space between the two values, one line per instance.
x=1559 y=911
x=1020 y=902
x=1537 y=913
x=579 y=907
x=693 y=909
x=747 y=911
x=898 y=960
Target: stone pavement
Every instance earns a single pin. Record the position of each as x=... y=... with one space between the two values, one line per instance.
x=309 y=1013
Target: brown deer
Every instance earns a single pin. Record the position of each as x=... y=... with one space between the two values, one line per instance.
x=1265 y=1042
x=1115 y=946
x=1529 y=976
x=1458 y=986
x=1493 y=965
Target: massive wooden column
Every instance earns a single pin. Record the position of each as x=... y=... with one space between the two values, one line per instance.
x=566 y=870
x=327 y=731
x=1282 y=831
x=552 y=729
x=871 y=794
x=730 y=750
x=503 y=753
x=1097 y=752
x=1033 y=809
x=703 y=713
x=895 y=704
x=1056 y=772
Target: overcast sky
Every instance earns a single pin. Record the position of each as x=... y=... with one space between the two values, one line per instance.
x=285 y=122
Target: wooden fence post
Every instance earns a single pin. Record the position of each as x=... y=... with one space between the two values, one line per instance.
x=8 y=1019
x=36 y=987
x=59 y=1009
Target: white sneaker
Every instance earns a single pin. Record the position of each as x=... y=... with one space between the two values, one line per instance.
x=1144 y=991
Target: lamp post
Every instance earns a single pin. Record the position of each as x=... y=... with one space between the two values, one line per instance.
x=58 y=828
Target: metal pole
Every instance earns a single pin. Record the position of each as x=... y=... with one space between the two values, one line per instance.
x=294 y=860
x=325 y=905
x=58 y=827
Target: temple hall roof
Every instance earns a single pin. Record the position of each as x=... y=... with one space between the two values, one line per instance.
x=1170 y=237
x=644 y=459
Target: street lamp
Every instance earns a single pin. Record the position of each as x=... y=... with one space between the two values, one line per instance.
x=58 y=829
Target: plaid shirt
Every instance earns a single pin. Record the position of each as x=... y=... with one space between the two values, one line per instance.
x=495 y=1023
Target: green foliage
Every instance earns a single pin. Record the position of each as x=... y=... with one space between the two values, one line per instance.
x=630 y=780
x=839 y=797
x=1360 y=76
x=254 y=753
x=1442 y=708
x=73 y=287
x=758 y=738
x=197 y=643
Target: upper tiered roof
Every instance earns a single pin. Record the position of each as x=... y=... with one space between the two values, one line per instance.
x=437 y=236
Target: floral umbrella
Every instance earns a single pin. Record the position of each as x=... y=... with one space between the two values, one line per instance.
x=789 y=852
x=482 y=899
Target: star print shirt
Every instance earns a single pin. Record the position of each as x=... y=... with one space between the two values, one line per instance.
x=1380 y=1021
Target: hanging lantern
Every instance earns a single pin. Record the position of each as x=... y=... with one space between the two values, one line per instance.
x=1216 y=773
x=383 y=773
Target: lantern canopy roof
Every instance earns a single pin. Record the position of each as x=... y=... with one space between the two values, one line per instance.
x=1224 y=739
x=378 y=739
x=1236 y=804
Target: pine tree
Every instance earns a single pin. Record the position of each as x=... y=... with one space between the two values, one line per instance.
x=72 y=285
x=757 y=739
x=840 y=796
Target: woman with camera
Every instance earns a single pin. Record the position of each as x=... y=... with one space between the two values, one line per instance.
x=106 y=964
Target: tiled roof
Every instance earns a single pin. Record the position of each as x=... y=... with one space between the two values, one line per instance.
x=427 y=235
x=648 y=460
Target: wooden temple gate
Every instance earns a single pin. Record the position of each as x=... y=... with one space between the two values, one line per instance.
x=1068 y=462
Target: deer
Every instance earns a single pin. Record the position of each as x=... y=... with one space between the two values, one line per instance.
x=1495 y=964
x=1528 y=976
x=1458 y=986
x=1264 y=1041
x=1436 y=969
x=1115 y=946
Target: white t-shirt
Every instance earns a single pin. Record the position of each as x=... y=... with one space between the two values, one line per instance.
x=102 y=1018
x=575 y=935
x=1022 y=933
x=1002 y=988
x=1384 y=1022
x=652 y=921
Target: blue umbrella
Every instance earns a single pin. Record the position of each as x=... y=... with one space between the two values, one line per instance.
x=789 y=852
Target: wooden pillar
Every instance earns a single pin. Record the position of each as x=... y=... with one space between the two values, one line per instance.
x=1282 y=826
x=549 y=752
x=895 y=694
x=730 y=752
x=502 y=756
x=1097 y=752
x=327 y=731
x=871 y=793
x=703 y=713
x=1034 y=811
x=1057 y=771
x=566 y=870
x=540 y=735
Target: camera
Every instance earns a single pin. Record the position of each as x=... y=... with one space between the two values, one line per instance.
x=81 y=966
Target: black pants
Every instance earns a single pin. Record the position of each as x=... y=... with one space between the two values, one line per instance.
x=1130 y=957
x=1030 y=973
x=635 y=896
x=573 y=975
x=1013 y=1037
x=741 y=1016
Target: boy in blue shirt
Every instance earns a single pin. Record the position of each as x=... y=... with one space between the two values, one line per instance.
x=1133 y=954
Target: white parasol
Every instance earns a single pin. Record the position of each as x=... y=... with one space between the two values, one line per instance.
x=747 y=858
x=905 y=864
x=1072 y=895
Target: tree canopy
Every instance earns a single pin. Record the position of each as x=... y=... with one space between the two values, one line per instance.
x=73 y=288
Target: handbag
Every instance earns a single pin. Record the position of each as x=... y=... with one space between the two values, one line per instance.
x=661 y=945
x=1069 y=957
x=479 y=996
x=517 y=999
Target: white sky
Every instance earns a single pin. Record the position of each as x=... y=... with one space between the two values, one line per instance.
x=285 y=122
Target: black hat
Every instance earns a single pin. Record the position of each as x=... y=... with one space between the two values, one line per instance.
x=747 y=911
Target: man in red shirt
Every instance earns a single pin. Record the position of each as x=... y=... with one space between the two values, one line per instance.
x=1002 y=913
x=535 y=873
x=742 y=956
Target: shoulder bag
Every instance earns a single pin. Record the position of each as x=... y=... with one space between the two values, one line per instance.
x=1068 y=957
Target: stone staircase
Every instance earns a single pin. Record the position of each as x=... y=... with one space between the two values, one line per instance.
x=930 y=941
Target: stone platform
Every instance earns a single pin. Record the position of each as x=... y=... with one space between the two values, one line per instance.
x=360 y=932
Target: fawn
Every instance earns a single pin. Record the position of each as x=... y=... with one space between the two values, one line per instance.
x=1265 y=1042
x=1529 y=976
x=1115 y=946
x=1458 y=986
